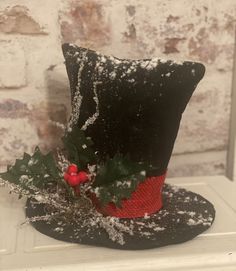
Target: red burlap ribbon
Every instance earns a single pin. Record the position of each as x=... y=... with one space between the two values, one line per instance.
x=145 y=200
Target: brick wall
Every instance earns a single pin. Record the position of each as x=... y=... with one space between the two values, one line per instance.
x=34 y=86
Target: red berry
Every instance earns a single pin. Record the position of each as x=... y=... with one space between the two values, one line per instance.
x=83 y=176
x=66 y=176
x=73 y=180
x=72 y=169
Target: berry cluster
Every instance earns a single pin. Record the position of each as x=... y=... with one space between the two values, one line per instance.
x=74 y=177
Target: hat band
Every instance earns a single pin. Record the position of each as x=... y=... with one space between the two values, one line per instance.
x=145 y=200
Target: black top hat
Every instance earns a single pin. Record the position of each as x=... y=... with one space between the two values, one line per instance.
x=119 y=139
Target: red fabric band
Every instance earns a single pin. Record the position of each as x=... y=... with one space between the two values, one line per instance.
x=145 y=200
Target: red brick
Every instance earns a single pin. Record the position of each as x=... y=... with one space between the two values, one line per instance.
x=85 y=22
x=11 y=108
x=171 y=45
x=17 y=20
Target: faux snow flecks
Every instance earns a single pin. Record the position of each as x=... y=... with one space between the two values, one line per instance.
x=130 y=107
x=184 y=216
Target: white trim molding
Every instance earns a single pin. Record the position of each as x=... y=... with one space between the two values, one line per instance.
x=231 y=159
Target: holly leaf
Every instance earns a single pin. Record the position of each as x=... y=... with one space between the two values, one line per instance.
x=38 y=170
x=10 y=176
x=50 y=165
x=117 y=168
x=118 y=178
x=78 y=148
x=120 y=189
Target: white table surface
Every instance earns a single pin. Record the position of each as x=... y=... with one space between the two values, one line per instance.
x=23 y=248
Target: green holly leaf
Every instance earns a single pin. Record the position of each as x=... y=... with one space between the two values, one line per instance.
x=117 y=168
x=10 y=176
x=38 y=170
x=50 y=165
x=78 y=148
x=118 y=178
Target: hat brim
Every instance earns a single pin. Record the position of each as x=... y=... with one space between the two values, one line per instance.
x=184 y=216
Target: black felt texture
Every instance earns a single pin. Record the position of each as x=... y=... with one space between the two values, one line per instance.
x=184 y=216
x=140 y=103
